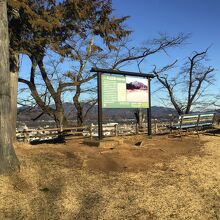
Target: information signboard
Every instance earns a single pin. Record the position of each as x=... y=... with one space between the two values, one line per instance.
x=124 y=91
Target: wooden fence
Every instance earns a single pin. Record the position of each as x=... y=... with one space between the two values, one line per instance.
x=28 y=135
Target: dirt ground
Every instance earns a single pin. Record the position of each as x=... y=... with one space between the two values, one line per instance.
x=164 y=178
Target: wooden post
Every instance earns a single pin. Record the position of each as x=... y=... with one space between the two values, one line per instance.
x=149 y=131
x=156 y=127
x=26 y=135
x=116 y=130
x=99 y=83
x=90 y=131
x=136 y=128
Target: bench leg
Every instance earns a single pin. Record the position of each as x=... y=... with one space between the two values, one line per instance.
x=180 y=133
x=197 y=130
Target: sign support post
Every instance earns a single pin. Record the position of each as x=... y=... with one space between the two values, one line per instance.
x=99 y=84
x=149 y=128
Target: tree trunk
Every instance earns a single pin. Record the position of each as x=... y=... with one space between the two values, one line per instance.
x=61 y=122
x=60 y=119
x=8 y=158
x=79 y=116
x=79 y=109
x=14 y=68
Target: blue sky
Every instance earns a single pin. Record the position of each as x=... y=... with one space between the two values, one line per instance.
x=150 y=17
x=198 y=17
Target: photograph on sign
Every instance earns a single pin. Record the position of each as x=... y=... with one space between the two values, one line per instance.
x=137 y=89
x=124 y=92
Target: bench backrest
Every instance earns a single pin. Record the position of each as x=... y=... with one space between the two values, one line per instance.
x=206 y=118
x=201 y=119
x=188 y=119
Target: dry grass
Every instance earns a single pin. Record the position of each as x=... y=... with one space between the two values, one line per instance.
x=163 y=179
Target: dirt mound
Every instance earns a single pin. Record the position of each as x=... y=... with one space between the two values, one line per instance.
x=137 y=153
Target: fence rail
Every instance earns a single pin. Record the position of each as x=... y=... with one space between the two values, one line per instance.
x=28 y=135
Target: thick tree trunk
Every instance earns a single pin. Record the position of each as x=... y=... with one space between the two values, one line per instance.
x=60 y=119
x=14 y=68
x=139 y=115
x=61 y=122
x=79 y=116
x=8 y=159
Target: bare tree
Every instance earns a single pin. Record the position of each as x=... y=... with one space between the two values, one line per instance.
x=126 y=54
x=216 y=101
x=8 y=158
x=55 y=92
x=186 y=88
x=84 y=54
x=123 y=55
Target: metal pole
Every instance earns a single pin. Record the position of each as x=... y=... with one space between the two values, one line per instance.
x=99 y=83
x=149 y=111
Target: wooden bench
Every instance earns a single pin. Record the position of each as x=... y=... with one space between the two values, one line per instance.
x=193 y=122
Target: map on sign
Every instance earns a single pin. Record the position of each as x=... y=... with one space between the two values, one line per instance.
x=124 y=92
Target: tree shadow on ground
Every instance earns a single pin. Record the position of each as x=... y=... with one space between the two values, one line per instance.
x=90 y=207
x=58 y=140
x=213 y=132
x=45 y=205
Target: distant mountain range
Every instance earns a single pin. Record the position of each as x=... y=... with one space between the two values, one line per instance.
x=28 y=114
x=136 y=85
